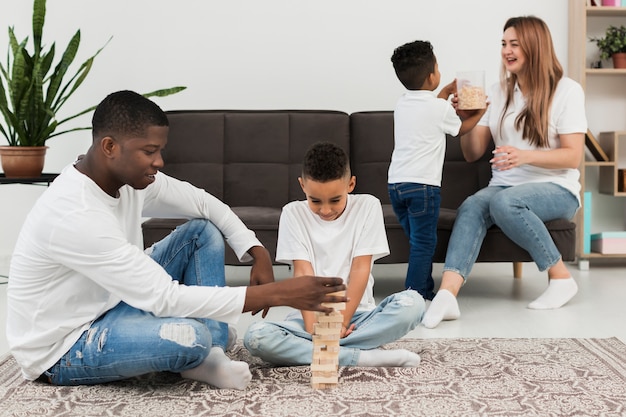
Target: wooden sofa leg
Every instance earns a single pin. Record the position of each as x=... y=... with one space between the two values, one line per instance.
x=517 y=269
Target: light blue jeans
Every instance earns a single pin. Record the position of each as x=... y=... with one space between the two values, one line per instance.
x=287 y=343
x=126 y=342
x=520 y=211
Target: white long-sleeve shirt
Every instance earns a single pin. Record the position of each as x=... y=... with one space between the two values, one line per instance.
x=79 y=254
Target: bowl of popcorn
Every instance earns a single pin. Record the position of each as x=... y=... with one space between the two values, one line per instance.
x=470 y=87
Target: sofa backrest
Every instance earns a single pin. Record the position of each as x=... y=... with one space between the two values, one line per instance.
x=248 y=157
x=371 y=144
x=254 y=157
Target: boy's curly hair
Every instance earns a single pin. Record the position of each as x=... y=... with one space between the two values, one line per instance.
x=325 y=161
x=413 y=63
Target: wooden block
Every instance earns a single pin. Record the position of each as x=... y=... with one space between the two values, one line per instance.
x=327 y=331
x=322 y=339
x=325 y=379
x=331 y=319
x=328 y=316
x=325 y=361
x=338 y=293
x=321 y=357
x=329 y=353
x=323 y=386
x=330 y=374
x=335 y=306
x=323 y=367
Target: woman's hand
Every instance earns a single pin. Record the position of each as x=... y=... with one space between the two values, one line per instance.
x=507 y=157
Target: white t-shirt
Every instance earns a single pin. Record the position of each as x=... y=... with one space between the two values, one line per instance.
x=79 y=254
x=567 y=115
x=330 y=246
x=421 y=122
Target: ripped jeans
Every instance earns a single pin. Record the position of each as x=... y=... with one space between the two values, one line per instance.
x=126 y=342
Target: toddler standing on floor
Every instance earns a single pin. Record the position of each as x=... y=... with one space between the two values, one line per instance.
x=421 y=122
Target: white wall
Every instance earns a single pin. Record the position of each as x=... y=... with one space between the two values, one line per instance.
x=258 y=54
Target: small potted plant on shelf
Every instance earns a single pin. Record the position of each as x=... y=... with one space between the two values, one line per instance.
x=613 y=45
x=32 y=91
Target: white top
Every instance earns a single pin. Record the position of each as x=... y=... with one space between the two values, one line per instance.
x=79 y=254
x=567 y=115
x=330 y=246
x=421 y=122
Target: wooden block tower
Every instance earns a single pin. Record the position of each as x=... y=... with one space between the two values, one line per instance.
x=326 y=335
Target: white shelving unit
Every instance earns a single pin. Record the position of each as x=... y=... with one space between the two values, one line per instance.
x=605 y=95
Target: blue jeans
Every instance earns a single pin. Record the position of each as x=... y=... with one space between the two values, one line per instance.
x=287 y=343
x=417 y=209
x=520 y=212
x=126 y=342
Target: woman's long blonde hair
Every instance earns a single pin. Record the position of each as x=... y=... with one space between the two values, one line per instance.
x=540 y=76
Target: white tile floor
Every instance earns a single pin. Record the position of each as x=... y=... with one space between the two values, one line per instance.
x=492 y=303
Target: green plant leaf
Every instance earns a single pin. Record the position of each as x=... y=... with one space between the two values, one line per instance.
x=614 y=41
x=61 y=69
x=33 y=89
x=77 y=78
x=39 y=18
x=164 y=92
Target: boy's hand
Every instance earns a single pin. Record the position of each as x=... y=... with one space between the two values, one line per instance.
x=448 y=90
x=346 y=331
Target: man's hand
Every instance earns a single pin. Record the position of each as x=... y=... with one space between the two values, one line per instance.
x=261 y=271
x=304 y=293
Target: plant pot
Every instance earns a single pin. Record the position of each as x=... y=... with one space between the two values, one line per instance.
x=22 y=161
x=619 y=60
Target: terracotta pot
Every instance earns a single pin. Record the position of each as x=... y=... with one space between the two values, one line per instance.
x=619 y=60
x=22 y=161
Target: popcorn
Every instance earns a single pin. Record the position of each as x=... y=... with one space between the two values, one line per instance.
x=472 y=97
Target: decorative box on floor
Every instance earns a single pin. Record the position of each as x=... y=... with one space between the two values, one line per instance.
x=609 y=242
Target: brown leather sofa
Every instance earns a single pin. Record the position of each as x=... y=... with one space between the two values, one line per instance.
x=251 y=160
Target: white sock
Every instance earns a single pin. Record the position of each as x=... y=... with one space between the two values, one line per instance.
x=220 y=371
x=232 y=338
x=559 y=292
x=392 y=357
x=443 y=307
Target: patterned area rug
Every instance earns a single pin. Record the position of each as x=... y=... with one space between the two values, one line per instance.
x=457 y=377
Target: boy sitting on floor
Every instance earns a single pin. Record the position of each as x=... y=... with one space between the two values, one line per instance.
x=335 y=233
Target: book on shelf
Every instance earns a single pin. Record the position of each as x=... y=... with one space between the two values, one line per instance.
x=595 y=148
x=611 y=243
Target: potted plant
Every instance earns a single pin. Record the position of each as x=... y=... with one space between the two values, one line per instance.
x=32 y=91
x=613 y=45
